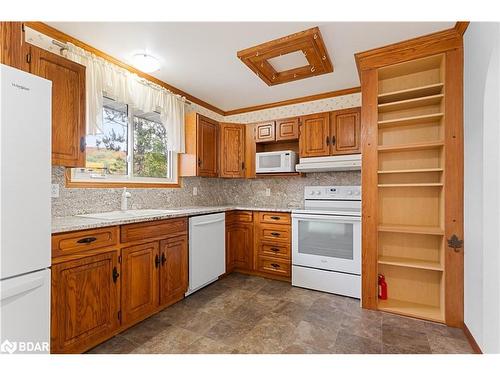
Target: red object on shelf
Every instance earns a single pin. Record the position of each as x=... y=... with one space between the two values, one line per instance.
x=382 y=287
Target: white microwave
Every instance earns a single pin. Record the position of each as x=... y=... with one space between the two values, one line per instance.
x=275 y=161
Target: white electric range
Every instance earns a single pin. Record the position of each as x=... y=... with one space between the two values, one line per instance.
x=326 y=240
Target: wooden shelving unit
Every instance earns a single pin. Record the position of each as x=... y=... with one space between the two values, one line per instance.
x=411 y=187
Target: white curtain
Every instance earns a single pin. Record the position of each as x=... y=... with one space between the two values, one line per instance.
x=126 y=87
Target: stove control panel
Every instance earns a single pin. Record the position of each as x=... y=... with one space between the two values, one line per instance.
x=333 y=192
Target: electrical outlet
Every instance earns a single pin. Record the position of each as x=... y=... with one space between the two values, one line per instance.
x=195 y=190
x=268 y=192
x=54 y=190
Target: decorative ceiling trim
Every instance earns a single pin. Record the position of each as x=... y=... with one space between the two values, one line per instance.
x=411 y=49
x=63 y=37
x=302 y=99
x=309 y=42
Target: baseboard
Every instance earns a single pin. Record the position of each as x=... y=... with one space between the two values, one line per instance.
x=472 y=340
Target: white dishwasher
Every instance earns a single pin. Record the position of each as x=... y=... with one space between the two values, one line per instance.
x=207 y=250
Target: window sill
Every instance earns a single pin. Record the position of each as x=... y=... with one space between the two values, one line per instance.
x=118 y=184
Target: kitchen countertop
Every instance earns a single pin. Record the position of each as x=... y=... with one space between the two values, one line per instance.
x=71 y=223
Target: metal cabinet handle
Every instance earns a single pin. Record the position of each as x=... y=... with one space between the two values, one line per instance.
x=455 y=243
x=163 y=259
x=275 y=218
x=157 y=261
x=327 y=140
x=87 y=240
x=83 y=144
x=275 y=265
x=275 y=249
x=276 y=234
x=333 y=140
x=116 y=275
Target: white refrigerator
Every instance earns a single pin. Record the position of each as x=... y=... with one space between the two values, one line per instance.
x=25 y=205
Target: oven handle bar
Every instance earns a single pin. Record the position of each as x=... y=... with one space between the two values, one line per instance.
x=327 y=217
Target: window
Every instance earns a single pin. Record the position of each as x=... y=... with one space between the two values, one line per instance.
x=131 y=149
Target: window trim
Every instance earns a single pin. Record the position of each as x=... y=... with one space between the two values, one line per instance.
x=129 y=180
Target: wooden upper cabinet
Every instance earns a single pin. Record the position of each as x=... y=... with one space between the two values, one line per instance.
x=13 y=48
x=287 y=129
x=232 y=146
x=140 y=266
x=68 y=105
x=265 y=132
x=85 y=302
x=173 y=269
x=202 y=155
x=315 y=135
x=345 y=131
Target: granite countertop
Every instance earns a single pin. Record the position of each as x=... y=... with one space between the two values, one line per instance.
x=71 y=223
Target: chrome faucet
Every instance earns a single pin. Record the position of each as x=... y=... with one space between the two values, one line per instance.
x=125 y=196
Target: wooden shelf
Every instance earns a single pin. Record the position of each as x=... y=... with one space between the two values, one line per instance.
x=411 y=146
x=411 y=120
x=430 y=184
x=423 y=170
x=412 y=309
x=410 y=103
x=280 y=174
x=411 y=93
x=417 y=229
x=411 y=263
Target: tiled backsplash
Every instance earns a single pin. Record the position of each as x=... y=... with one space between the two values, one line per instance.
x=285 y=192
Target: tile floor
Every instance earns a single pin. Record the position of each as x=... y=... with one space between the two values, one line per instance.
x=247 y=314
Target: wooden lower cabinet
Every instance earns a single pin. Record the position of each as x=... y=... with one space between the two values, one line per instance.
x=239 y=241
x=85 y=302
x=140 y=266
x=173 y=269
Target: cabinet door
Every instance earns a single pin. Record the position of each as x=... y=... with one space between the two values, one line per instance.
x=264 y=132
x=315 y=135
x=287 y=129
x=239 y=237
x=85 y=302
x=140 y=266
x=346 y=131
x=13 y=48
x=207 y=147
x=68 y=105
x=232 y=146
x=173 y=270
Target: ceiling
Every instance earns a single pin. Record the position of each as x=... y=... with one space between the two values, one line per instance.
x=200 y=57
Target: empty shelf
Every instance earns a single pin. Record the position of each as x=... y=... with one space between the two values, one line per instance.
x=410 y=263
x=412 y=309
x=411 y=146
x=417 y=229
x=410 y=103
x=431 y=184
x=423 y=170
x=410 y=93
x=411 y=120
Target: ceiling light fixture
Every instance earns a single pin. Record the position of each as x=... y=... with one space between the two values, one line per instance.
x=145 y=62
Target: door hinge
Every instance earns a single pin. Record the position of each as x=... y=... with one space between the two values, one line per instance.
x=23 y=28
x=28 y=58
x=243 y=165
x=120 y=315
x=120 y=259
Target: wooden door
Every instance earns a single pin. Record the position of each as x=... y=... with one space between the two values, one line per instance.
x=207 y=150
x=287 y=129
x=315 y=135
x=85 y=302
x=173 y=270
x=140 y=267
x=232 y=146
x=239 y=240
x=68 y=105
x=13 y=48
x=265 y=132
x=346 y=131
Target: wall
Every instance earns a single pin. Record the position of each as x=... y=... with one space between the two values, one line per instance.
x=481 y=183
x=285 y=192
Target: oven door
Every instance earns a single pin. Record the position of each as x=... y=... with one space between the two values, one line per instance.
x=327 y=242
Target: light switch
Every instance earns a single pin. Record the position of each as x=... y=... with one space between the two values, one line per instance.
x=268 y=192
x=54 y=191
x=195 y=190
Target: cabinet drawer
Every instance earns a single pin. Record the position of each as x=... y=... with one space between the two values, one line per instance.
x=277 y=250
x=274 y=266
x=280 y=233
x=74 y=242
x=274 y=217
x=239 y=216
x=152 y=229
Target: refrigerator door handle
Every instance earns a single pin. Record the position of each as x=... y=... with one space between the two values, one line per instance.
x=22 y=288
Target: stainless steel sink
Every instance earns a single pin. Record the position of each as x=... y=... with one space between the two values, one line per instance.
x=129 y=214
